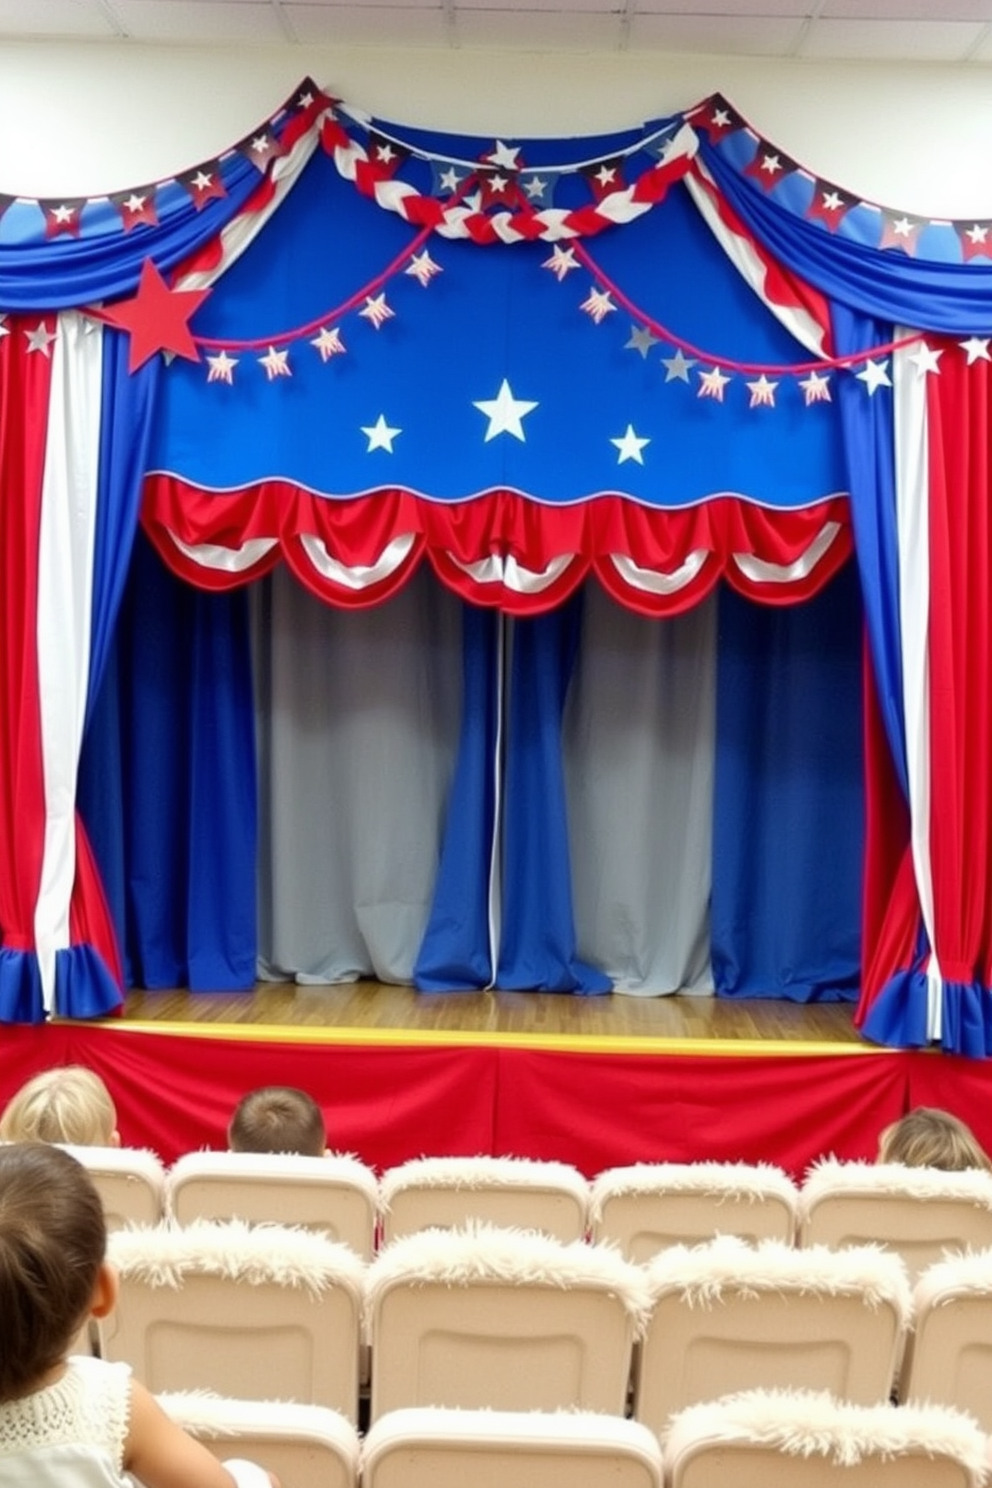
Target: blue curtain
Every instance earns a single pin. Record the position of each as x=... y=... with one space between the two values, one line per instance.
x=789 y=798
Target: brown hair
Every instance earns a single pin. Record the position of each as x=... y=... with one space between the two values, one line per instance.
x=67 y=1104
x=278 y=1118
x=52 y=1241
x=929 y=1138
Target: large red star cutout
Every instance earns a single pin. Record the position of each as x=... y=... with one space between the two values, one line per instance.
x=156 y=318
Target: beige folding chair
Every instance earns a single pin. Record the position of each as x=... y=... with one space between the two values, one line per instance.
x=508 y=1319
x=335 y=1194
x=799 y=1439
x=246 y=1310
x=424 y=1448
x=729 y=1316
x=949 y=1353
x=441 y=1192
x=648 y=1206
x=305 y=1446
x=130 y=1182
x=921 y=1213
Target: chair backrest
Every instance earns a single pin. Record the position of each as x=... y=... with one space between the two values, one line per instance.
x=305 y=1446
x=771 y=1439
x=949 y=1353
x=444 y=1192
x=729 y=1316
x=922 y=1213
x=648 y=1206
x=424 y=1448
x=335 y=1194
x=246 y=1310
x=505 y=1319
x=130 y=1182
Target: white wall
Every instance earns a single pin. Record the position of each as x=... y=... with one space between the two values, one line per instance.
x=90 y=118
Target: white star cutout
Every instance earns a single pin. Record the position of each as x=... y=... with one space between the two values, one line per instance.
x=640 y=340
x=380 y=435
x=927 y=359
x=816 y=389
x=328 y=343
x=762 y=393
x=721 y=119
x=535 y=187
x=203 y=180
x=977 y=234
x=135 y=203
x=903 y=228
x=40 y=339
x=497 y=183
x=874 y=375
x=832 y=202
x=376 y=311
x=276 y=364
x=4 y=327
x=505 y=413
x=504 y=156
x=561 y=262
x=423 y=268
x=63 y=213
x=771 y=165
x=450 y=180
x=677 y=367
x=598 y=305
x=606 y=175
x=630 y=446
x=386 y=153
x=712 y=384
x=221 y=368
x=977 y=348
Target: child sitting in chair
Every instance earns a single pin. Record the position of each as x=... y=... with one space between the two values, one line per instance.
x=278 y=1118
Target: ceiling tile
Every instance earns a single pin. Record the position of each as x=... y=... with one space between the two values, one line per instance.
x=908 y=10
x=911 y=41
x=719 y=9
x=544 y=30
x=366 y=25
x=205 y=21
x=85 y=19
x=709 y=34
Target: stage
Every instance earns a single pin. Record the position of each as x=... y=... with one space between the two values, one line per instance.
x=596 y=1081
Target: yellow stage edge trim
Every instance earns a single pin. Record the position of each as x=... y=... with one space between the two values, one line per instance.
x=265 y=1033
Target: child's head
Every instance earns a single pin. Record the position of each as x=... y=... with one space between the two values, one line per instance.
x=52 y=1243
x=929 y=1138
x=278 y=1118
x=69 y=1104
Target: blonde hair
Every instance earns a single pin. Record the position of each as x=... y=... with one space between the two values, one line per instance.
x=69 y=1104
x=930 y=1138
x=278 y=1118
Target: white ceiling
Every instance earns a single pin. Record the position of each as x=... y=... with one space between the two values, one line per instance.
x=933 y=31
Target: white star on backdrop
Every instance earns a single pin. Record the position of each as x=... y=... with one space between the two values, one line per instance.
x=276 y=364
x=535 y=187
x=677 y=367
x=630 y=446
x=376 y=311
x=977 y=348
x=504 y=156
x=598 y=305
x=221 y=368
x=450 y=179
x=423 y=268
x=712 y=384
x=816 y=389
x=504 y=412
x=874 y=375
x=640 y=340
x=927 y=359
x=40 y=339
x=328 y=343
x=380 y=435
x=561 y=262
x=762 y=393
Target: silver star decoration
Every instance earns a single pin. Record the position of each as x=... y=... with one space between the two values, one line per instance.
x=816 y=389
x=505 y=413
x=40 y=339
x=712 y=384
x=927 y=359
x=504 y=156
x=561 y=262
x=630 y=446
x=380 y=435
x=276 y=364
x=874 y=375
x=762 y=393
x=221 y=368
x=328 y=343
x=450 y=179
x=598 y=305
x=376 y=311
x=678 y=367
x=423 y=268
x=535 y=187
x=977 y=348
x=641 y=340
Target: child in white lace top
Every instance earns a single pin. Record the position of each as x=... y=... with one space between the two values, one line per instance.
x=69 y=1419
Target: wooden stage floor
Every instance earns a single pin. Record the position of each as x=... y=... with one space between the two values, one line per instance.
x=380 y=1012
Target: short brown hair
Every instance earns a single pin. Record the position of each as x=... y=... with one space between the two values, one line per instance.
x=67 y=1104
x=930 y=1138
x=53 y=1238
x=278 y=1118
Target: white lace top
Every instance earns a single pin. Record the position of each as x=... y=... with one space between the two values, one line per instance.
x=71 y=1432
